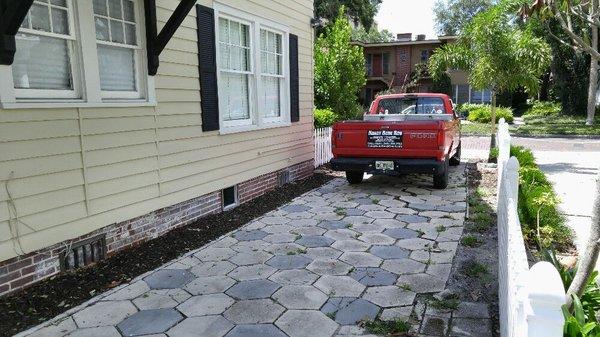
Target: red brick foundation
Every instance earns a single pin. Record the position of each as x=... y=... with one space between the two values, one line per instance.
x=22 y=271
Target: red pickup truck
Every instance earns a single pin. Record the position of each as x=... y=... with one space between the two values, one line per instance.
x=403 y=133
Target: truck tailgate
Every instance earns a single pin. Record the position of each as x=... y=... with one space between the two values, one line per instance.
x=408 y=139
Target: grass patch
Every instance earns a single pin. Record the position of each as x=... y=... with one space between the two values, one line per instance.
x=340 y=211
x=476 y=270
x=386 y=328
x=445 y=304
x=536 y=125
x=476 y=129
x=482 y=222
x=440 y=228
x=471 y=241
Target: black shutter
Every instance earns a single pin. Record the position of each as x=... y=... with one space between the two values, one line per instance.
x=207 y=64
x=294 y=80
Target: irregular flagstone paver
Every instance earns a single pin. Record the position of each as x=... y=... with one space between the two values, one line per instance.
x=347 y=310
x=149 y=322
x=315 y=241
x=300 y=297
x=104 y=313
x=294 y=277
x=339 y=286
x=209 y=326
x=254 y=311
x=303 y=323
x=283 y=262
x=203 y=305
x=354 y=252
x=258 y=330
x=374 y=276
x=389 y=252
x=253 y=289
x=169 y=279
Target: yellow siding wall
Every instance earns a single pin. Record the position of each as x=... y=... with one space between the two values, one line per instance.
x=71 y=171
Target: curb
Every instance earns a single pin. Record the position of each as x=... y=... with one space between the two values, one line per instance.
x=517 y=135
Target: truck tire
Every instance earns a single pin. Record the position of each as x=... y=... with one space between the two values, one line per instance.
x=455 y=160
x=440 y=180
x=354 y=177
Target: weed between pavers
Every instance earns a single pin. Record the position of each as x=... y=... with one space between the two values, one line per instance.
x=450 y=303
x=386 y=328
x=440 y=228
x=476 y=269
x=471 y=241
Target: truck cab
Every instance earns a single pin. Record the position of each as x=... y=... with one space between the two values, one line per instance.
x=401 y=133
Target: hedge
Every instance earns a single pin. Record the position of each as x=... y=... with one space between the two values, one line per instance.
x=324 y=118
x=482 y=113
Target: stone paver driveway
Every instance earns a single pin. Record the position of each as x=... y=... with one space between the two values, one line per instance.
x=314 y=267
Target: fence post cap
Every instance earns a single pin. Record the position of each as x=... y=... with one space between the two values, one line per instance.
x=502 y=121
x=513 y=164
x=545 y=285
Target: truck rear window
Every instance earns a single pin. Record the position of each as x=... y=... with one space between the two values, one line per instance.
x=411 y=106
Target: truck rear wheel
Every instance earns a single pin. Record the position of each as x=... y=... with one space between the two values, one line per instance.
x=455 y=160
x=440 y=180
x=354 y=177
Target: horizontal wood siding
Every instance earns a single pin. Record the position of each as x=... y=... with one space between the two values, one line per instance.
x=71 y=171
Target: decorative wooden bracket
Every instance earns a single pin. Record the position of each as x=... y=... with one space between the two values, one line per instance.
x=12 y=14
x=156 y=42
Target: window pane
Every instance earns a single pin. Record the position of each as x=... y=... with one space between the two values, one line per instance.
x=273 y=67
x=60 y=21
x=52 y=71
x=100 y=7
x=264 y=63
x=40 y=17
x=62 y=3
x=128 y=12
x=130 y=34
x=462 y=94
x=272 y=96
x=224 y=56
x=114 y=9
x=245 y=36
x=116 y=31
x=234 y=93
x=234 y=34
x=117 y=68
x=278 y=48
x=102 y=29
x=263 y=39
x=223 y=30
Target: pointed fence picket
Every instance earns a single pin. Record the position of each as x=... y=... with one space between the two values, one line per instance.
x=323 y=152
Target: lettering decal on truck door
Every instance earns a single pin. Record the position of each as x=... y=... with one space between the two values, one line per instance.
x=384 y=139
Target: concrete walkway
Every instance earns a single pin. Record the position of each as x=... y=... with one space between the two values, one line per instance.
x=572 y=166
x=315 y=267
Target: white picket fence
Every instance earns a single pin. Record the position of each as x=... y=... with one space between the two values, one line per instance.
x=323 y=152
x=530 y=299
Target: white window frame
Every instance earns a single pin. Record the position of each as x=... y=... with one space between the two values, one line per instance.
x=85 y=69
x=285 y=84
x=257 y=119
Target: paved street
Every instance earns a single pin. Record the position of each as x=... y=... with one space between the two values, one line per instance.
x=315 y=267
x=571 y=165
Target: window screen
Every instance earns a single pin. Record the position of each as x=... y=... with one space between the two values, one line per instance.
x=411 y=106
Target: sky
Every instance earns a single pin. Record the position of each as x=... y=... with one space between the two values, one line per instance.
x=407 y=16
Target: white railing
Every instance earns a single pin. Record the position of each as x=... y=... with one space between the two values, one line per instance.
x=323 y=146
x=530 y=299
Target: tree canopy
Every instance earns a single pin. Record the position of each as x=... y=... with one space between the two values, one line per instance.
x=339 y=69
x=497 y=53
x=452 y=16
x=360 y=11
x=373 y=35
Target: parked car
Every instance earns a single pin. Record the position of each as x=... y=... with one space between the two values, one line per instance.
x=401 y=133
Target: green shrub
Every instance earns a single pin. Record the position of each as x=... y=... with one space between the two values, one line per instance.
x=544 y=109
x=483 y=113
x=324 y=118
x=538 y=199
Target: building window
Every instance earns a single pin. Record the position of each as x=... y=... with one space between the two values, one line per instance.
x=369 y=64
x=271 y=57
x=386 y=63
x=403 y=56
x=51 y=45
x=116 y=38
x=45 y=63
x=253 y=79
x=425 y=54
x=235 y=63
x=461 y=94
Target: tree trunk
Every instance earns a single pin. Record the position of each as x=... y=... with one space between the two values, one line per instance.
x=593 y=88
x=587 y=261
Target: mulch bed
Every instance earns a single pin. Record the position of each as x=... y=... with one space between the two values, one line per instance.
x=52 y=297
